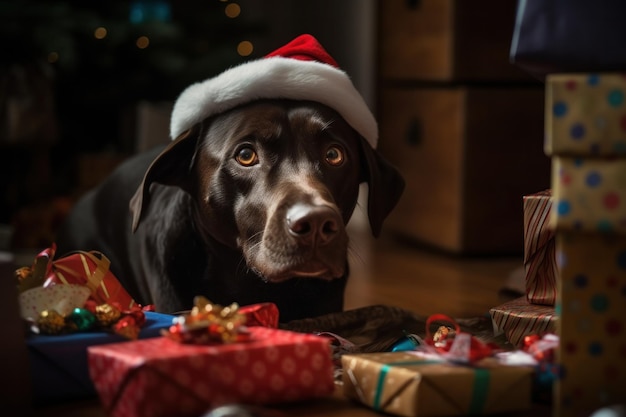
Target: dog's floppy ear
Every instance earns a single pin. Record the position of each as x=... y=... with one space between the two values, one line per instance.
x=385 y=185
x=170 y=167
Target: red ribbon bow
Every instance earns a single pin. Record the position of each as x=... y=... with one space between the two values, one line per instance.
x=463 y=347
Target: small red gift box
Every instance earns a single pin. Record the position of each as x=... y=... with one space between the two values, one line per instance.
x=160 y=377
x=90 y=269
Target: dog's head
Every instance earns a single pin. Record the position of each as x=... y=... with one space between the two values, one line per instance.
x=278 y=180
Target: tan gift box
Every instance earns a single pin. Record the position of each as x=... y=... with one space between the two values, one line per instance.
x=406 y=384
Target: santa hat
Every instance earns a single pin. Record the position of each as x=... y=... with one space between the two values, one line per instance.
x=300 y=70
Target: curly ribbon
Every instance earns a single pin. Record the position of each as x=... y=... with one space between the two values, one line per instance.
x=464 y=347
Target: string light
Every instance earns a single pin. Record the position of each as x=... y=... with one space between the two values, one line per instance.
x=100 y=33
x=53 y=57
x=142 y=42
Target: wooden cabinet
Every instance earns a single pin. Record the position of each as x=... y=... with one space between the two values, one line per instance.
x=447 y=40
x=463 y=125
x=467 y=158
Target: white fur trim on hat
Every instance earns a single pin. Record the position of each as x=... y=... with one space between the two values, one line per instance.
x=274 y=77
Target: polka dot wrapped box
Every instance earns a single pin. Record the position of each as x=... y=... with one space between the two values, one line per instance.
x=161 y=377
x=586 y=114
x=592 y=322
x=589 y=194
x=407 y=384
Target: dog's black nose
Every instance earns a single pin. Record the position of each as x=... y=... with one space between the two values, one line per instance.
x=313 y=224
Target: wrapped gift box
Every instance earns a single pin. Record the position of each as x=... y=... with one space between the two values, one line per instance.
x=161 y=377
x=589 y=194
x=586 y=114
x=405 y=384
x=519 y=318
x=592 y=323
x=58 y=363
x=539 y=249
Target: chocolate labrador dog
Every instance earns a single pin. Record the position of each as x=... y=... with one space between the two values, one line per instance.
x=248 y=206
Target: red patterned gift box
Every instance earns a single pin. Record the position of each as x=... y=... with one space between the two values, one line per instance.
x=160 y=377
x=86 y=268
x=539 y=253
x=519 y=318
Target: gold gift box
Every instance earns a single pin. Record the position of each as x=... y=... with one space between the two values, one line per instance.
x=589 y=194
x=585 y=114
x=407 y=384
x=592 y=322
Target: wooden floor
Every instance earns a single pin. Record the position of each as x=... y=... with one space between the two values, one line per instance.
x=392 y=271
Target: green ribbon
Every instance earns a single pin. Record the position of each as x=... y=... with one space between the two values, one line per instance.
x=479 y=393
x=481 y=389
x=383 y=374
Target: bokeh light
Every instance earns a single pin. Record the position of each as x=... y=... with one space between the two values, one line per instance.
x=100 y=33
x=245 y=48
x=142 y=42
x=232 y=10
x=53 y=57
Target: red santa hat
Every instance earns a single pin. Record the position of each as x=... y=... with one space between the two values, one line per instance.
x=300 y=70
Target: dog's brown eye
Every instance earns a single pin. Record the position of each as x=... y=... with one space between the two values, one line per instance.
x=247 y=157
x=334 y=156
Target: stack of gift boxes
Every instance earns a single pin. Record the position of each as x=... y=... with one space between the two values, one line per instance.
x=534 y=313
x=586 y=138
x=575 y=244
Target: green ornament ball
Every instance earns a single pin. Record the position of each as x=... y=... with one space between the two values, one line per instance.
x=83 y=319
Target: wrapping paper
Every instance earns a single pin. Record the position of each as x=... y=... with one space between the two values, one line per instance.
x=589 y=195
x=586 y=114
x=160 y=377
x=261 y=314
x=58 y=364
x=89 y=269
x=519 y=318
x=592 y=324
x=539 y=249
x=406 y=384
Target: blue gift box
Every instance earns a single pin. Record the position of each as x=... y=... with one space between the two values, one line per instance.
x=59 y=368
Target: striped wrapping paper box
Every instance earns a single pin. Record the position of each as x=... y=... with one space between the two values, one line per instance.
x=539 y=249
x=519 y=318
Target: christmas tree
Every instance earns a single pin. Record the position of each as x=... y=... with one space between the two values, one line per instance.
x=105 y=56
x=73 y=71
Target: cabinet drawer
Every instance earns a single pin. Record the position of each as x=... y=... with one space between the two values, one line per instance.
x=445 y=40
x=469 y=155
